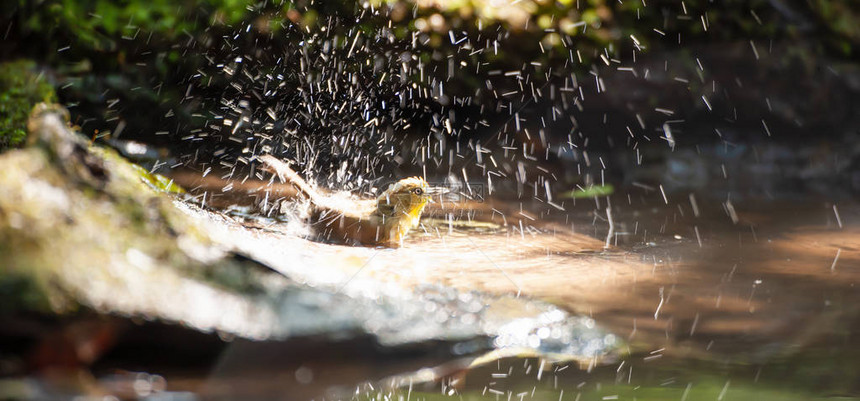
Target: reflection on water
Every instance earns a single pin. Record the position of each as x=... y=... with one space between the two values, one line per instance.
x=722 y=302
x=762 y=307
x=420 y=275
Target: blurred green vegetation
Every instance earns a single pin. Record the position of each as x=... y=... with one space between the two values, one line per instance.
x=117 y=63
x=589 y=192
x=128 y=65
x=840 y=19
x=824 y=370
x=703 y=388
x=21 y=87
x=103 y=24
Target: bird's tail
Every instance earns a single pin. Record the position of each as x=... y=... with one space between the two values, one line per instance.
x=288 y=175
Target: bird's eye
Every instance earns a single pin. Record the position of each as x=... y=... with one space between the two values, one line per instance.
x=418 y=191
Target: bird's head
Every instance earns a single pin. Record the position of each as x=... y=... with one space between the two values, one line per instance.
x=405 y=198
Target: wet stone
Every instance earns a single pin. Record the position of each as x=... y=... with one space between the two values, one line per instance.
x=83 y=236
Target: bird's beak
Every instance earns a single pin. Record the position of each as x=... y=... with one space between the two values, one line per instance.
x=436 y=191
x=433 y=191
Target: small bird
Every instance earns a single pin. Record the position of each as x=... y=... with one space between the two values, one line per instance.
x=382 y=221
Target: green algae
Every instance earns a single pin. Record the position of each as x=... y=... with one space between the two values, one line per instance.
x=21 y=87
x=158 y=182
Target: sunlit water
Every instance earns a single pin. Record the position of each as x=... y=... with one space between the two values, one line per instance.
x=721 y=303
x=764 y=308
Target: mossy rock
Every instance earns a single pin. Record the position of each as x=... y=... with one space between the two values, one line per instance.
x=21 y=87
x=80 y=225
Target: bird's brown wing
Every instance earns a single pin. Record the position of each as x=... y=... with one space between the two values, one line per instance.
x=358 y=225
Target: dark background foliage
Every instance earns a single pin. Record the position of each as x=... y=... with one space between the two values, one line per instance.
x=329 y=83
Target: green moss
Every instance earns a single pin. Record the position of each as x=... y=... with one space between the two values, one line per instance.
x=158 y=182
x=21 y=87
x=64 y=232
x=23 y=293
